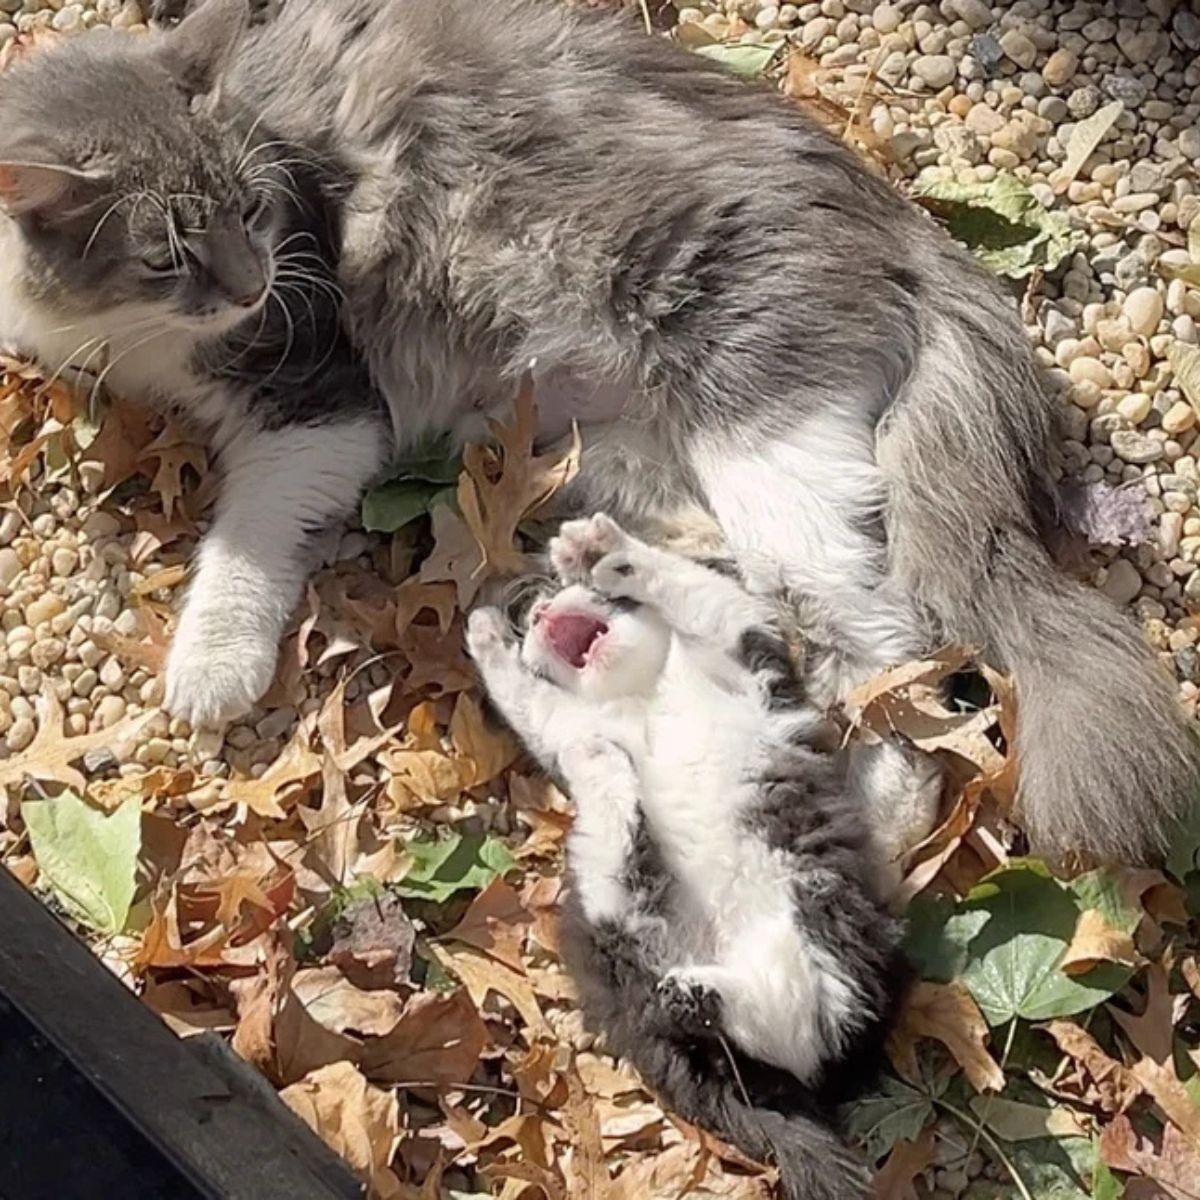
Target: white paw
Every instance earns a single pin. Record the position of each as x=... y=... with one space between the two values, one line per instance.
x=215 y=671
x=581 y=544
x=487 y=634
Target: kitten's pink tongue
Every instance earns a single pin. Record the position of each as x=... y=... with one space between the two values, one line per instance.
x=571 y=635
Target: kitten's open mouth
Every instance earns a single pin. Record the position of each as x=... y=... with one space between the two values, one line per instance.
x=572 y=635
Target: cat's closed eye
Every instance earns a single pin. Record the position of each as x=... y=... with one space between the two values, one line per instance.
x=256 y=213
x=160 y=261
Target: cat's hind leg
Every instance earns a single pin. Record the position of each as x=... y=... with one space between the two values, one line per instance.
x=803 y=512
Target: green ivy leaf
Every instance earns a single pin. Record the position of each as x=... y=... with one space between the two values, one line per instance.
x=1013 y=966
x=937 y=941
x=1105 y=1185
x=86 y=856
x=391 y=506
x=1101 y=890
x=740 y=59
x=445 y=866
x=412 y=486
x=897 y=1111
x=1004 y=224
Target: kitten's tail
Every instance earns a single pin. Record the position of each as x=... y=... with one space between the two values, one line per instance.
x=1107 y=759
x=814 y=1163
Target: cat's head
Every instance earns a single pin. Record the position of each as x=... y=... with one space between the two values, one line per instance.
x=596 y=647
x=133 y=192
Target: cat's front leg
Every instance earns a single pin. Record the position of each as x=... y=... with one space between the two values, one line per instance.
x=694 y=600
x=545 y=717
x=281 y=489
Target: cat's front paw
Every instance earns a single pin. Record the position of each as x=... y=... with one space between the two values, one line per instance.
x=487 y=635
x=581 y=544
x=216 y=672
x=689 y=1004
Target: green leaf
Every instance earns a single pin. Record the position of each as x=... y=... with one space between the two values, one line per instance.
x=740 y=59
x=1004 y=224
x=86 y=856
x=1101 y=890
x=1185 y=362
x=937 y=940
x=1105 y=1185
x=412 y=486
x=1013 y=968
x=445 y=866
x=896 y=1112
x=392 y=505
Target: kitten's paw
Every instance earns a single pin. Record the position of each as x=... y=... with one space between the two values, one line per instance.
x=487 y=636
x=216 y=673
x=581 y=544
x=688 y=1003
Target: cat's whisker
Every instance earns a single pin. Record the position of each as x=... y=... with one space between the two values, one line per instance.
x=241 y=155
x=108 y=212
x=291 y=334
x=94 y=394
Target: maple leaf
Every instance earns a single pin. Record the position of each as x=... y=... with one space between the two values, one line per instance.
x=436 y=1042
x=296 y=767
x=896 y=1179
x=49 y=757
x=495 y=923
x=1115 y=1086
x=119 y=445
x=498 y=489
x=481 y=975
x=174 y=454
x=1152 y=1031
x=947 y=1013
x=359 y=1122
x=1174 y=1164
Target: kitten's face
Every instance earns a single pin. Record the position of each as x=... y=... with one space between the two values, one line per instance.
x=132 y=197
x=597 y=648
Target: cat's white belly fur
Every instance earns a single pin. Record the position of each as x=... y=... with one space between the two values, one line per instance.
x=735 y=891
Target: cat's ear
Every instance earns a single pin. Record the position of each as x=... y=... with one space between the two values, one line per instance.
x=45 y=189
x=200 y=47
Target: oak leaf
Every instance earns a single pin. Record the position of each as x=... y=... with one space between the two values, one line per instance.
x=436 y=1042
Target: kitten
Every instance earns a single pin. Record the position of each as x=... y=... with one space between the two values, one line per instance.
x=724 y=921
x=743 y=318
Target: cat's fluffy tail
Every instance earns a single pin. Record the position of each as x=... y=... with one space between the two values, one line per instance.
x=814 y=1163
x=1106 y=757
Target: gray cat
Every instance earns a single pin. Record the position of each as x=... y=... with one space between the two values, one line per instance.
x=437 y=193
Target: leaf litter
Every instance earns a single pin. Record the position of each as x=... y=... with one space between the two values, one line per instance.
x=369 y=912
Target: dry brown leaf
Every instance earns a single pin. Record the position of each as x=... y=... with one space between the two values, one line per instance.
x=456 y=559
x=1174 y=1164
x=174 y=454
x=499 y=488
x=124 y=435
x=51 y=753
x=538 y=1074
x=436 y=1042
x=495 y=923
x=587 y=1176
x=1096 y=941
x=480 y=975
x=947 y=1013
x=487 y=748
x=604 y=1078
x=1172 y=1098
x=330 y=998
x=373 y=941
x=1115 y=1086
x=1153 y=1030
x=896 y=1179
x=282 y=782
x=359 y=1122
